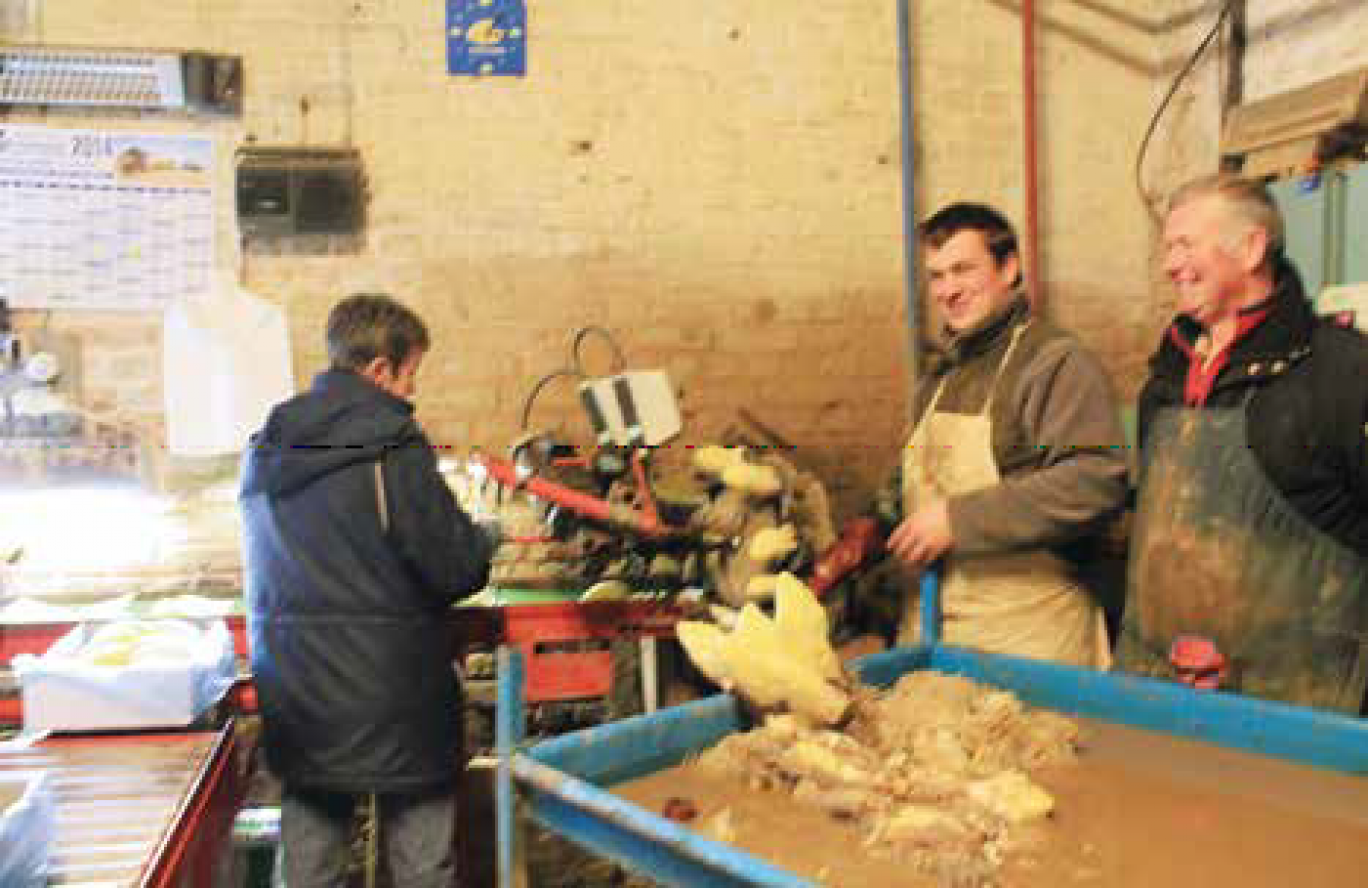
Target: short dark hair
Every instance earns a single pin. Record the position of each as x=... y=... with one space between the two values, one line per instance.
x=951 y=220
x=367 y=326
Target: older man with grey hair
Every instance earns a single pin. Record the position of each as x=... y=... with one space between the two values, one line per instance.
x=1249 y=556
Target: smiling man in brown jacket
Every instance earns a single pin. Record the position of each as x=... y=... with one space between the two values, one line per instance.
x=1015 y=462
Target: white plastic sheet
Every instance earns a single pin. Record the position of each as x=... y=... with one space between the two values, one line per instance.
x=226 y=362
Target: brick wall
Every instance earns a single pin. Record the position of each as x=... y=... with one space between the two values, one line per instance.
x=1095 y=67
x=717 y=183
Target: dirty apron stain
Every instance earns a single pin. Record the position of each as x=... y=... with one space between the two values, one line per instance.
x=1217 y=552
x=1026 y=604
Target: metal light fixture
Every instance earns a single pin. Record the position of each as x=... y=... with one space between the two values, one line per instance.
x=120 y=78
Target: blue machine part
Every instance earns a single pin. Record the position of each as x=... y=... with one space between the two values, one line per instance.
x=561 y=778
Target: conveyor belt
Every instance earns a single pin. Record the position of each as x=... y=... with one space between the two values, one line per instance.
x=136 y=809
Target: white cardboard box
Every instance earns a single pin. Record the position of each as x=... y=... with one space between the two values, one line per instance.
x=61 y=693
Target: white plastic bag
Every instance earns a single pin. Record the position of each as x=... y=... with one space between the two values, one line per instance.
x=27 y=829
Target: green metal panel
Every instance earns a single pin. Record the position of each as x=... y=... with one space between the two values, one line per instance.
x=1355 y=248
x=1306 y=218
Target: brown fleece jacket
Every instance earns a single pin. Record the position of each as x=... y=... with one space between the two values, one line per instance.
x=1056 y=438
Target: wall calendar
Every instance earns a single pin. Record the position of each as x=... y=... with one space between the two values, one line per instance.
x=104 y=220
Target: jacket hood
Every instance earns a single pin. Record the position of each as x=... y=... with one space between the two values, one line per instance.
x=342 y=420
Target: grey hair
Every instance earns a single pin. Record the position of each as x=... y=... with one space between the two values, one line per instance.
x=1248 y=200
x=367 y=326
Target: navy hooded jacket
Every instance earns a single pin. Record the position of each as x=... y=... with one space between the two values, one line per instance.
x=355 y=549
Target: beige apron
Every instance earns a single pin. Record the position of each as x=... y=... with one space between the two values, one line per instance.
x=1026 y=604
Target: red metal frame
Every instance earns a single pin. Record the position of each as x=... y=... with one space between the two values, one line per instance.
x=565 y=660
x=558 y=642
x=199 y=833
x=562 y=643
x=36 y=638
x=564 y=646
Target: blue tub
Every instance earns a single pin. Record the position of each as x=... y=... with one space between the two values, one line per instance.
x=562 y=779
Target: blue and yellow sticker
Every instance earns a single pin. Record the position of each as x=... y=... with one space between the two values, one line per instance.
x=486 y=37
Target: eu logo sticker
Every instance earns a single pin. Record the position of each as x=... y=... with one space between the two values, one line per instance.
x=487 y=37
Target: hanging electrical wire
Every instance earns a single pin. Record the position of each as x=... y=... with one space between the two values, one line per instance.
x=1163 y=106
x=581 y=334
x=541 y=384
x=576 y=370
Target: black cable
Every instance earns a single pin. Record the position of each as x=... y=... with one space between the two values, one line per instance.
x=1163 y=106
x=580 y=336
x=575 y=372
x=536 y=390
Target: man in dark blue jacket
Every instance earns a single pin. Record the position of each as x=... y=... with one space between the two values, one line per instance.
x=355 y=550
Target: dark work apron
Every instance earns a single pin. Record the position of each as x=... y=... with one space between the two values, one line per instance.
x=1218 y=553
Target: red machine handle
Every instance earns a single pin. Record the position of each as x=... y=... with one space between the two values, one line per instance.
x=858 y=541
x=509 y=475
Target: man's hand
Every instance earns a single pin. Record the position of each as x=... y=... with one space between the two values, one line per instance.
x=924 y=536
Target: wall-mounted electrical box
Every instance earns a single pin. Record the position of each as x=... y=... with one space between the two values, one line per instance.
x=282 y=192
x=1291 y=130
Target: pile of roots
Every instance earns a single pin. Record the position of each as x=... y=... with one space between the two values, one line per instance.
x=935 y=771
